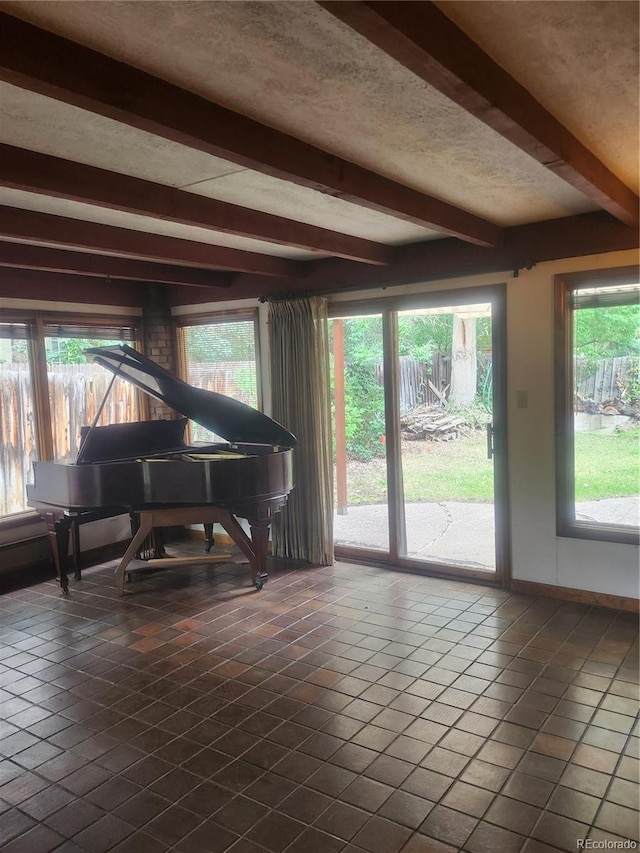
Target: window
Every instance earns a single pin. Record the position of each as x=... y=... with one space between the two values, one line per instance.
x=598 y=405
x=76 y=386
x=18 y=436
x=49 y=390
x=220 y=354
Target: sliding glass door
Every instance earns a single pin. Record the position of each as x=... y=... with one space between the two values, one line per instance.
x=419 y=432
x=360 y=468
x=446 y=412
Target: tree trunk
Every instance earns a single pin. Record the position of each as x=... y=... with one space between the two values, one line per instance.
x=464 y=361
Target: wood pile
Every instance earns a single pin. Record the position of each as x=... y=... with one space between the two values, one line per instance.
x=614 y=406
x=430 y=422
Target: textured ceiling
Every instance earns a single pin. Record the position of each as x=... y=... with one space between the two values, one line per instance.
x=294 y=67
x=570 y=56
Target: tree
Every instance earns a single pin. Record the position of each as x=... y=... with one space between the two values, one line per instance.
x=221 y=342
x=607 y=332
x=420 y=335
x=464 y=360
x=364 y=395
x=71 y=350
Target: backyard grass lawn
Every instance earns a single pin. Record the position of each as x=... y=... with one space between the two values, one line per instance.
x=606 y=466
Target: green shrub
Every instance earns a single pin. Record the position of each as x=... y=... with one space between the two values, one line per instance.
x=364 y=412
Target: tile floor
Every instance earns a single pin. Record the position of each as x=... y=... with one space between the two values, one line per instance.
x=340 y=709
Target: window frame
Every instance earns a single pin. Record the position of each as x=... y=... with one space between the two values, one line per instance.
x=567 y=526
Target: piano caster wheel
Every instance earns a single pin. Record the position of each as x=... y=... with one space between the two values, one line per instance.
x=260 y=580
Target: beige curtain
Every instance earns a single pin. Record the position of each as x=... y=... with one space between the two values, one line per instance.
x=299 y=349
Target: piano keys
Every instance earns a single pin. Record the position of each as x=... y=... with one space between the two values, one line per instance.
x=147 y=468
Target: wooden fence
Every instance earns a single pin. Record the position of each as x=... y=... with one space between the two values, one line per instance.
x=75 y=394
x=235 y=379
x=599 y=380
x=605 y=378
x=421 y=382
x=18 y=447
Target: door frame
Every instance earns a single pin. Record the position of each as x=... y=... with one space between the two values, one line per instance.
x=388 y=306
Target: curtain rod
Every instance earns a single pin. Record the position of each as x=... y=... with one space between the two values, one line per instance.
x=281 y=297
x=285 y=297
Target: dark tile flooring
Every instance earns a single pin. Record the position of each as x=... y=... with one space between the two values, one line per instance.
x=340 y=709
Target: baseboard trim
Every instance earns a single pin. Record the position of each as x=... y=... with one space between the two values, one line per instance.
x=596 y=599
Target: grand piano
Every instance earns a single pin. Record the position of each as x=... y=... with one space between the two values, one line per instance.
x=146 y=469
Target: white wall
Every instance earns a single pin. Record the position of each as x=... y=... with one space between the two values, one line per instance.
x=538 y=555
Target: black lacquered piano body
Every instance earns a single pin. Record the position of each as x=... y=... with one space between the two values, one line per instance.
x=146 y=465
x=168 y=479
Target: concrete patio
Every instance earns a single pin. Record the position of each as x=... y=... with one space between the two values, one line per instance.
x=455 y=531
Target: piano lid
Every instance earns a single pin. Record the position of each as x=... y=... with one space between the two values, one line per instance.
x=232 y=420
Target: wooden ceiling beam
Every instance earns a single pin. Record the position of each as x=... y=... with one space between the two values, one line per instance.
x=570 y=237
x=54 y=177
x=24 y=256
x=64 y=232
x=524 y=246
x=423 y=39
x=73 y=289
x=39 y=61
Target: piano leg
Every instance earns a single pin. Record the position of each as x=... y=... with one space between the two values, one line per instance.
x=260 y=542
x=75 y=526
x=208 y=536
x=144 y=529
x=58 y=528
x=254 y=548
x=259 y=517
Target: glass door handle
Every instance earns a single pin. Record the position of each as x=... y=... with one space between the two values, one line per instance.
x=489 y=441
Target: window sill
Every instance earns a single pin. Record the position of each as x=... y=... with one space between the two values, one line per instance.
x=19 y=519
x=601 y=532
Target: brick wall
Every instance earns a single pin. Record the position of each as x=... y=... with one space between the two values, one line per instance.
x=158 y=341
